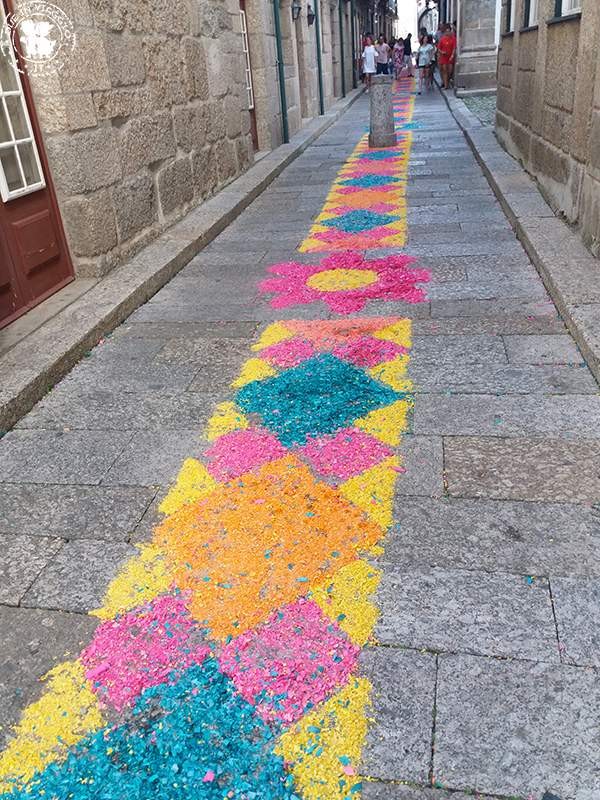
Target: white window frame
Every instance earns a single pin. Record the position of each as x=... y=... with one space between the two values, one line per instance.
x=510 y=27
x=498 y=23
x=534 y=11
x=247 y=65
x=570 y=7
x=452 y=12
x=6 y=193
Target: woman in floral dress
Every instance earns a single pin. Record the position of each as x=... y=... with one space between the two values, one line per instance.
x=398 y=58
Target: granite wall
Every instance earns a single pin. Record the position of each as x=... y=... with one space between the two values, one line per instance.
x=549 y=109
x=149 y=116
x=477 y=46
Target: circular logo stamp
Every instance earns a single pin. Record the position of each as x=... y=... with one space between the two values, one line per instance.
x=40 y=33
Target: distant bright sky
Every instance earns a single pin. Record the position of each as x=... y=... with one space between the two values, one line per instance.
x=407 y=17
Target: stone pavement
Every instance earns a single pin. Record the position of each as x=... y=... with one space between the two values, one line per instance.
x=485 y=666
x=483 y=106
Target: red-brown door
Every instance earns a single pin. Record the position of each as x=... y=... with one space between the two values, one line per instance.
x=34 y=258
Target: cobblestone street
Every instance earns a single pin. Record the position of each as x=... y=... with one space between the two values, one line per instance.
x=484 y=658
x=483 y=106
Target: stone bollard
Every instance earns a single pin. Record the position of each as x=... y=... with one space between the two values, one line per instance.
x=383 y=130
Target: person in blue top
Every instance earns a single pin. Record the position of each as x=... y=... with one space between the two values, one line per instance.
x=425 y=56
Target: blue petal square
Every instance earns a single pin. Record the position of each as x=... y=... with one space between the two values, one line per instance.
x=317 y=397
x=369 y=181
x=175 y=734
x=357 y=221
x=380 y=155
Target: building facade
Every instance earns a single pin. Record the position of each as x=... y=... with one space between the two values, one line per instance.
x=478 y=30
x=549 y=103
x=378 y=17
x=153 y=109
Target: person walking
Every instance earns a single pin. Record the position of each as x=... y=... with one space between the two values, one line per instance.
x=454 y=34
x=408 y=59
x=369 y=61
x=383 y=56
x=424 y=60
x=446 y=55
x=433 y=65
x=398 y=58
x=391 y=44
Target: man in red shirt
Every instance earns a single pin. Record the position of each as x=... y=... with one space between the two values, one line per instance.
x=446 y=54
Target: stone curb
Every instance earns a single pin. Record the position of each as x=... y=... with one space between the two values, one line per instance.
x=35 y=364
x=569 y=271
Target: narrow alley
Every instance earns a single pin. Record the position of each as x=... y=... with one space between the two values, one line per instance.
x=315 y=533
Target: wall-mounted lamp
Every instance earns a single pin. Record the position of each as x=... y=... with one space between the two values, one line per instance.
x=296 y=9
x=310 y=14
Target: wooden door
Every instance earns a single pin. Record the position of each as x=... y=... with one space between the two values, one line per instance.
x=34 y=258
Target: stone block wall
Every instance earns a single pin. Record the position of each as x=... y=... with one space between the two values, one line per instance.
x=549 y=109
x=336 y=47
x=147 y=118
x=263 y=54
x=348 y=33
x=306 y=54
x=327 y=34
x=299 y=45
x=299 y=40
x=477 y=50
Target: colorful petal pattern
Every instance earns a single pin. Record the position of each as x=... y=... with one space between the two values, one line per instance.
x=225 y=664
x=366 y=206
